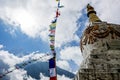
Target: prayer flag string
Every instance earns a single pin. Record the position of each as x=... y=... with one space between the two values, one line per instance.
x=52 y=61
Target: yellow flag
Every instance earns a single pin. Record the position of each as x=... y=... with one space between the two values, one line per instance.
x=52 y=38
x=53 y=24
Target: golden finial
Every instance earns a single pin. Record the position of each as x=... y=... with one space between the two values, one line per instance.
x=91 y=13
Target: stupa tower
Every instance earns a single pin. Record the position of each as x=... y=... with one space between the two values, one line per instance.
x=100 y=47
x=91 y=13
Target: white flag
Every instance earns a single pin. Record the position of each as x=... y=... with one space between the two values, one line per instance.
x=52 y=72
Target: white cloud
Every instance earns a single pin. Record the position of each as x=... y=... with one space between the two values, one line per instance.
x=8 y=61
x=64 y=65
x=19 y=75
x=1 y=46
x=8 y=58
x=63 y=78
x=11 y=59
x=58 y=77
x=108 y=10
x=67 y=25
x=43 y=77
x=71 y=53
x=34 y=17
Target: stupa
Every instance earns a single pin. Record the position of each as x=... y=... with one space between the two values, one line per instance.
x=100 y=47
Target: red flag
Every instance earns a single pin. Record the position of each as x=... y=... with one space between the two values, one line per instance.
x=57 y=13
x=53 y=78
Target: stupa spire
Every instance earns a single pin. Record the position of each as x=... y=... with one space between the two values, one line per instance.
x=91 y=13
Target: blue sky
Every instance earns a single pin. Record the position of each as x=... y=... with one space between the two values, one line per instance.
x=24 y=28
x=20 y=43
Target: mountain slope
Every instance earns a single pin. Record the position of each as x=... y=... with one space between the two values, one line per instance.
x=35 y=69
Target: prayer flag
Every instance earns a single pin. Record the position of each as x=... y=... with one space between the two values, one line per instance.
x=53 y=78
x=57 y=0
x=52 y=63
x=53 y=24
x=52 y=69
x=54 y=21
x=52 y=72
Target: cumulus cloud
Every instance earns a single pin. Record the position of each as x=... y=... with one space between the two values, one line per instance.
x=8 y=61
x=71 y=53
x=1 y=46
x=58 y=76
x=64 y=65
x=108 y=10
x=8 y=58
x=33 y=17
x=19 y=75
x=11 y=59
x=63 y=78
